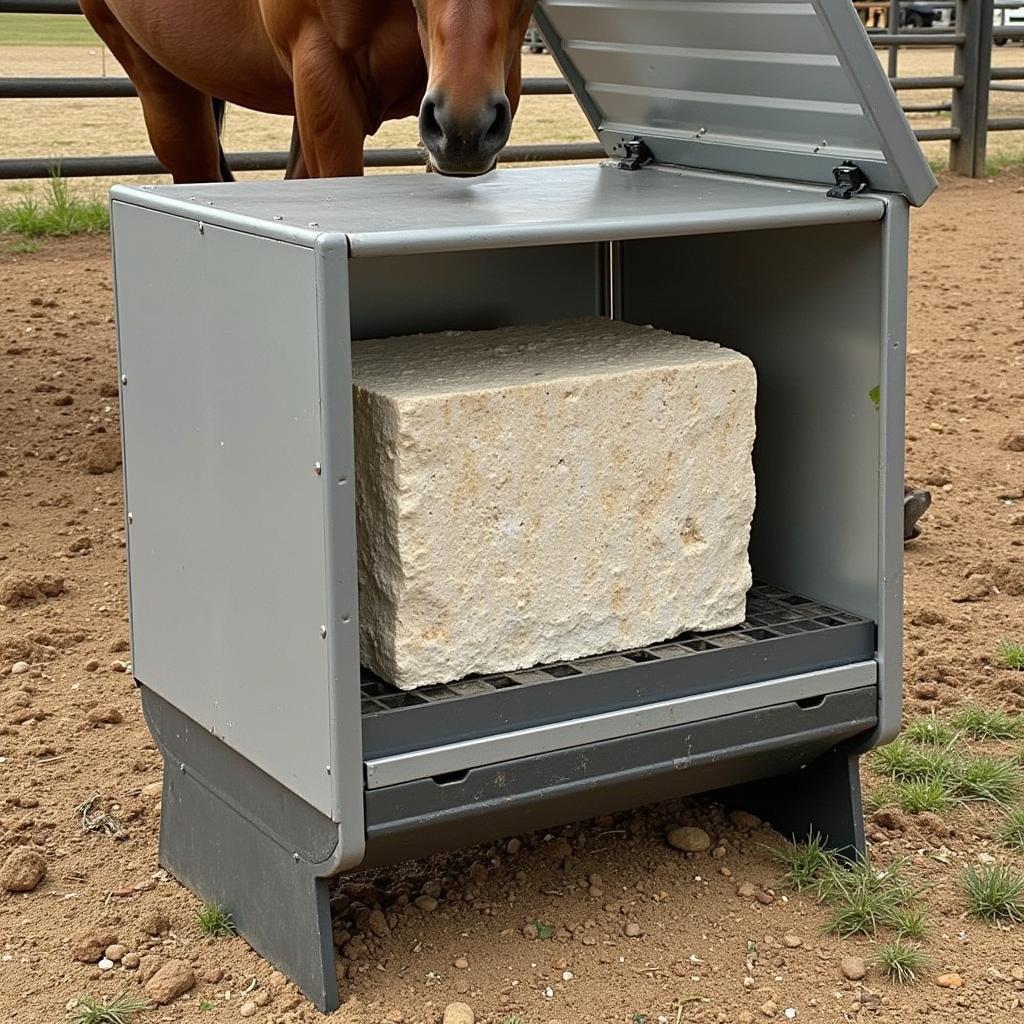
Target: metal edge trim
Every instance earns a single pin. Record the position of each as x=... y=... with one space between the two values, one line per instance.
x=485 y=750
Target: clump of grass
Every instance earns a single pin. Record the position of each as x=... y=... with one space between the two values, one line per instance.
x=989 y=724
x=909 y=923
x=58 y=213
x=214 y=921
x=994 y=893
x=866 y=899
x=919 y=795
x=1011 y=655
x=992 y=779
x=805 y=864
x=122 y=1009
x=901 y=962
x=905 y=761
x=1012 y=832
x=930 y=732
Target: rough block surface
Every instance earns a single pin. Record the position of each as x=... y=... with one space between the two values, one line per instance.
x=546 y=492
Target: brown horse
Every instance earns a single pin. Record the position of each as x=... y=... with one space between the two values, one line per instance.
x=341 y=67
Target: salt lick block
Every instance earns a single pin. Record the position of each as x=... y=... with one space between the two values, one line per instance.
x=546 y=492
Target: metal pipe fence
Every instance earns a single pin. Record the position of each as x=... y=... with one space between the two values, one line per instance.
x=971 y=32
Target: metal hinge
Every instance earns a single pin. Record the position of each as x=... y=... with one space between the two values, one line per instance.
x=849 y=180
x=634 y=154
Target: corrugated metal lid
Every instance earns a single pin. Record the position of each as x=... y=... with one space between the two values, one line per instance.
x=782 y=90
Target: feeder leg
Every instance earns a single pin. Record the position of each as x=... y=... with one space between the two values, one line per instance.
x=236 y=838
x=822 y=798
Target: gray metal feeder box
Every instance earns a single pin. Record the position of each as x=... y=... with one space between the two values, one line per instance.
x=756 y=195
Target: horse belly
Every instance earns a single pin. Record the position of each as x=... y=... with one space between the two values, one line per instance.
x=219 y=47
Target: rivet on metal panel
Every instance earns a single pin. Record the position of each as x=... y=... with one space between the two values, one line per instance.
x=130 y=518
x=124 y=378
x=701 y=131
x=182 y=766
x=202 y=228
x=209 y=202
x=278 y=216
x=342 y=479
x=323 y=631
x=345 y=618
x=824 y=142
x=328 y=769
x=295 y=857
x=314 y=224
x=317 y=468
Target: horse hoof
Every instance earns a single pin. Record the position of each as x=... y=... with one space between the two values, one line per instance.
x=915 y=504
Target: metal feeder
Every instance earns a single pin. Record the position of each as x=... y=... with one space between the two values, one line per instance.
x=756 y=195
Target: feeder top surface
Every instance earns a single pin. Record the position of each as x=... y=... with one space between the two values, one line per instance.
x=786 y=90
x=393 y=214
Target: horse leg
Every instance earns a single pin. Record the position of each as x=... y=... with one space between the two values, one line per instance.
x=329 y=108
x=180 y=120
x=296 y=167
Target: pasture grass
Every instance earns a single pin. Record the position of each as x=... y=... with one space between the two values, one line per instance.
x=121 y=1009
x=58 y=213
x=989 y=723
x=1010 y=654
x=214 y=921
x=994 y=893
x=930 y=732
x=804 y=863
x=1012 y=831
x=990 y=779
x=46 y=30
x=915 y=796
x=901 y=962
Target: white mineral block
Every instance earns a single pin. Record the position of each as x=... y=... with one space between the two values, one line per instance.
x=546 y=492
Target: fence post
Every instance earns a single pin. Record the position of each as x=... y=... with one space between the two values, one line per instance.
x=970 y=103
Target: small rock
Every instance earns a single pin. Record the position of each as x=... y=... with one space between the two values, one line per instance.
x=88 y=944
x=19 y=668
x=689 y=839
x=115 y=953
x=747 y=890
x=462 y=963
x=458 y=1013
x=744 y=819
x=105 y=715
x=378 y=923
x=765 y=897
x=22 y=588
x=153 y=790
x=212 y=975
x=632 y=930
x=531 y=931
x=102 y=456
x=426 y=903
x=1013 y=442
x=22 y=871
x=770 y=1008
x=130 y=961
x=1017 y=973
x=91 y=665
x=148 y=966
x=477 y=873
x=745 y=1017
x=172 y=980
x=105 y=964
x=853 y=967
x=248 y=1009
x=154 y=922
x=791 y=941
x=513 y=846
x=949 y=981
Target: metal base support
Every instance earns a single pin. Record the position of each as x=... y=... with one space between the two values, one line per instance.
x=237 y=838
x=822 y=798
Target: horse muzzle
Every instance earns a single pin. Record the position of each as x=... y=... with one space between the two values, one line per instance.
x=463 y=145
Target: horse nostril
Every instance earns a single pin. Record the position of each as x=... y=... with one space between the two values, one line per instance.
x=431 y=131
x=501 y=123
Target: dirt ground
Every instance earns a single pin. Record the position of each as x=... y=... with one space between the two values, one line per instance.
x=44 y=128
x=630 y=930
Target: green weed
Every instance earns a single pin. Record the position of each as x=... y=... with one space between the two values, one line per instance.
x=122 y=1009
x=901 y=962
x=1011 y=654
x=1012 y=832
x=59 y=213
x=994 y=893
x=214 y=921
x=989 y=724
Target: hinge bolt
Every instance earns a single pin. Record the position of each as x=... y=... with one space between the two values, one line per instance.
x=323 y=632
x=124 y=378
x=130 y=518
x=317 y=468
x=202 y=228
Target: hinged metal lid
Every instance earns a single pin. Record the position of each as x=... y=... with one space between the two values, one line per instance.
x=785 y=90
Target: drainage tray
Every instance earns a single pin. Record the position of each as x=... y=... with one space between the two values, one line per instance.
x=783 y=634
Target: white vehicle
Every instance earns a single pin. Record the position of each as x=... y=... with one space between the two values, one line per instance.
x=1007 y=17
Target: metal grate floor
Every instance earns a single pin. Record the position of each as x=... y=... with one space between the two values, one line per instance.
x=783 y=633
